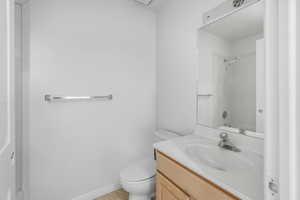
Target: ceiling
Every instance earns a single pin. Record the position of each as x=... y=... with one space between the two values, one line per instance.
x=243 y=23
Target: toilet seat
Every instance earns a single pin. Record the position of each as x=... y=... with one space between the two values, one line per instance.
x=139 y=171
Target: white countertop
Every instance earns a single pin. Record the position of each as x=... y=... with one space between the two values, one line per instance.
x=244 y=184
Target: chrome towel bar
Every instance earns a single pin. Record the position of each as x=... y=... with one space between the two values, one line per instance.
x=50 y=98
x=204 y=95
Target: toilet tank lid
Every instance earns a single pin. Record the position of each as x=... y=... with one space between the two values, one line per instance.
x=165 y=134
x=139 y=171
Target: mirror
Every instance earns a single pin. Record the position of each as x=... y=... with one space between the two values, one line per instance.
x=231 y=71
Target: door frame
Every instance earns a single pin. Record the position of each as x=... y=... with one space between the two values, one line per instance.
x=9 y=68
x=281 y=139
x=271 y=98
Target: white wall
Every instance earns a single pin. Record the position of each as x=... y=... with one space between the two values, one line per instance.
x=178 y=22
x=89 y=47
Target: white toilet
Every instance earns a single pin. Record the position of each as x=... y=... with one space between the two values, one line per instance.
x=138 y=179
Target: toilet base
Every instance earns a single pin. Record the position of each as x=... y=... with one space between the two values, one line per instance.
x=139 y=197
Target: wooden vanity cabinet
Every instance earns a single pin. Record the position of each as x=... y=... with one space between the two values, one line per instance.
x=167 y=190
x=176 y=182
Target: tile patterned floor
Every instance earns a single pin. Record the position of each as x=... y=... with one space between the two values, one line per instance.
x=116 y=195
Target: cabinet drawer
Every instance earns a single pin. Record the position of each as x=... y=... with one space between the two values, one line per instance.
x=194 y=185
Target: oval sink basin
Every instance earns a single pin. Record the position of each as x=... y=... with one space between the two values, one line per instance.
x=217 y=158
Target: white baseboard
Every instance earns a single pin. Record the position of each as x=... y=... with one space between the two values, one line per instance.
x=98 y=192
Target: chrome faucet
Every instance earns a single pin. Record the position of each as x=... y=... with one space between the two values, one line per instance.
x=226 y=144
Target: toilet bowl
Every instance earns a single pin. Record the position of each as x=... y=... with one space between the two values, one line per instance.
x=138 y=179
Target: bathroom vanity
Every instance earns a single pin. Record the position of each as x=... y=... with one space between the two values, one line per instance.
x=174 y=181
x=194 y=167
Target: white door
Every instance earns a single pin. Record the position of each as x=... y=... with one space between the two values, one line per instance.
x=7 y=164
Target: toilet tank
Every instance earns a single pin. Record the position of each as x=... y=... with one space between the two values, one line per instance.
x=161 y=135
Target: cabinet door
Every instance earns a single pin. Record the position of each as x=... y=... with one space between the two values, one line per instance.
x=166 y=190
x=193 y=185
